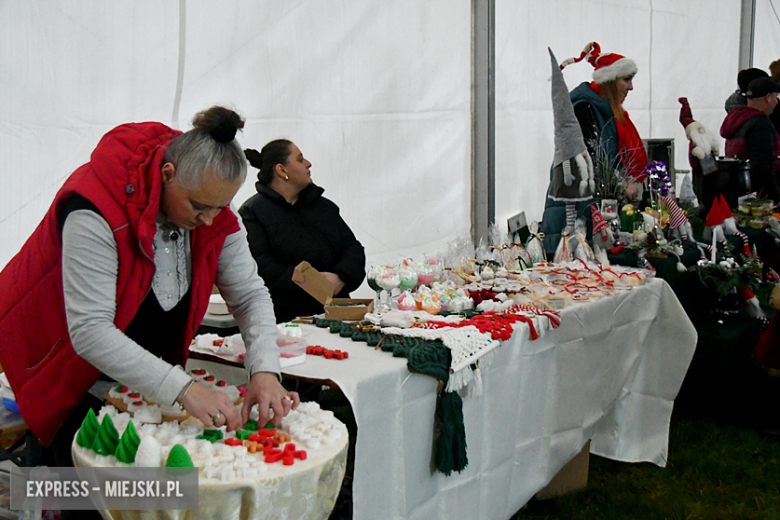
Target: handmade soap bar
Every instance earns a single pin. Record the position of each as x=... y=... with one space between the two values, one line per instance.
x=179 y=458
x=107 y=438
x=88 y=430
x=128 y=445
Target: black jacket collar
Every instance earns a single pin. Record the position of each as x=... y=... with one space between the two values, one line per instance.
x=309 y=194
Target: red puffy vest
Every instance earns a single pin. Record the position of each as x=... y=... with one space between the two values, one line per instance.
x=123 y=180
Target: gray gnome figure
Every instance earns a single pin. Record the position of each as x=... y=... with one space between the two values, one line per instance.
x=572 y=179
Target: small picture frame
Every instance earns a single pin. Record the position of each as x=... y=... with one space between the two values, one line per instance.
x=609 y=209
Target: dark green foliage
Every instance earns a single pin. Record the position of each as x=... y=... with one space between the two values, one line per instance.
x=722 y=280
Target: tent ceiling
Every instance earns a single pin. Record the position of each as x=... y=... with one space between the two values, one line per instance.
x=378 y=95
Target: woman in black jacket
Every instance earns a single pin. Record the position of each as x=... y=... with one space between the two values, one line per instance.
x=289 y=221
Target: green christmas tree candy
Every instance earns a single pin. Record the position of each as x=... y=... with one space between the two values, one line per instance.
x=88 y=430
x=211 y=435
x=128 y=445
x=179 y=458
x=107 y=438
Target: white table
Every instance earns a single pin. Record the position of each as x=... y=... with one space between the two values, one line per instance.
x=610 y=373
x=219 y=321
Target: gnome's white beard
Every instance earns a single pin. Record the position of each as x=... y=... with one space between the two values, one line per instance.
x=585 y=167
x=703 y=140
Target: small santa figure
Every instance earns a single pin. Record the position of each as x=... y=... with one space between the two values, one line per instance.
x=719 y=224
x=730 y=224
x=603 y=238
x=602 y=234
x=703 y=143
x=714 y=229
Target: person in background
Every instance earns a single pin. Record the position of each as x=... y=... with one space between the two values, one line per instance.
x=116 y=279
x=750 y=135
x=288 y=221
x=774 y=68
x=744 y=77
x=610 y=136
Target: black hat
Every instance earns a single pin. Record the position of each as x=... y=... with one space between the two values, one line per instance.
x=745 y=76
x=760 y=87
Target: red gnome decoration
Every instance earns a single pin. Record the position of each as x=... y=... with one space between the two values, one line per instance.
x=703 y=144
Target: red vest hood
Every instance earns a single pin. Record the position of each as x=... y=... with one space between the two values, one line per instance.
x=736 y=118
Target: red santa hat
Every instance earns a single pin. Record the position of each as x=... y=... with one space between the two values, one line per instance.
x=719 y=211
x=598 y=219
x=725 y=211
x=686 y=116
x=608 y=67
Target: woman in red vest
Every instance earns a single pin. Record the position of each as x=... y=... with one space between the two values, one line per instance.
x=117 y=277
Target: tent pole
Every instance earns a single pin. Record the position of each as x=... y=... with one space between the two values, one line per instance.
x=483 y=108
x=747 y=29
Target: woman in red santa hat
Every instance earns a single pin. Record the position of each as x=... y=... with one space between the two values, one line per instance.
x=610 y=136
x=598 y=106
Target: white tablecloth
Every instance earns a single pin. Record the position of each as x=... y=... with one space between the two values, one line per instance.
x=610 y=373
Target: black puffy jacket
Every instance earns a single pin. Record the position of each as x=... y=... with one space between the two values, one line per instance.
x=282 y=235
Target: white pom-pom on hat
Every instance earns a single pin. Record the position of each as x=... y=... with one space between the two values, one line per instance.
x=608 y=67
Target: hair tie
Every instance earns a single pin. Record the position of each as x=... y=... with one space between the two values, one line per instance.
x=224 y=132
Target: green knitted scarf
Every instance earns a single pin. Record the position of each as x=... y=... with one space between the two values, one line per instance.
x=431 y=358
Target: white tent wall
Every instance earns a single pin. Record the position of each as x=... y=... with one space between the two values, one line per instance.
x=71 y=71
x=377 y=95
x=681 y=49
x=766 y=38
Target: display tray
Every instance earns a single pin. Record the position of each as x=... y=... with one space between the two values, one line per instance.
x=194 y=354
x=122 y=407
x=306 y=489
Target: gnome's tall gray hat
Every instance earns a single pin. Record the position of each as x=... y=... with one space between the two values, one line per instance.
x=568 y=134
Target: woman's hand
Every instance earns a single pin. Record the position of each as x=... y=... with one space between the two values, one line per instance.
x=632 y=190
x=335 y=280
x=212 y=407
x=265 y=391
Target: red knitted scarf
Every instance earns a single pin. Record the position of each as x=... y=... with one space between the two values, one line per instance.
x=631 y=150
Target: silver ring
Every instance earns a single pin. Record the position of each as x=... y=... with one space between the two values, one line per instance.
x=216 y=416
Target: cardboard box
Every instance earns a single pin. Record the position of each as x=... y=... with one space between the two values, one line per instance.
x=572 y=477
x=314 y=283
x=348 y=309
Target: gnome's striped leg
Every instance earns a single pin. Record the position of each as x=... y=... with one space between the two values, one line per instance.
x=571 y=215
x=745 y=243
x=704 y=249
x=677 y=219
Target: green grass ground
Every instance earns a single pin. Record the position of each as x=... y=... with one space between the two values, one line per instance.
x=716 y=470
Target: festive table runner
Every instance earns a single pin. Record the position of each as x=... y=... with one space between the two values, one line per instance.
x=450 y=351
